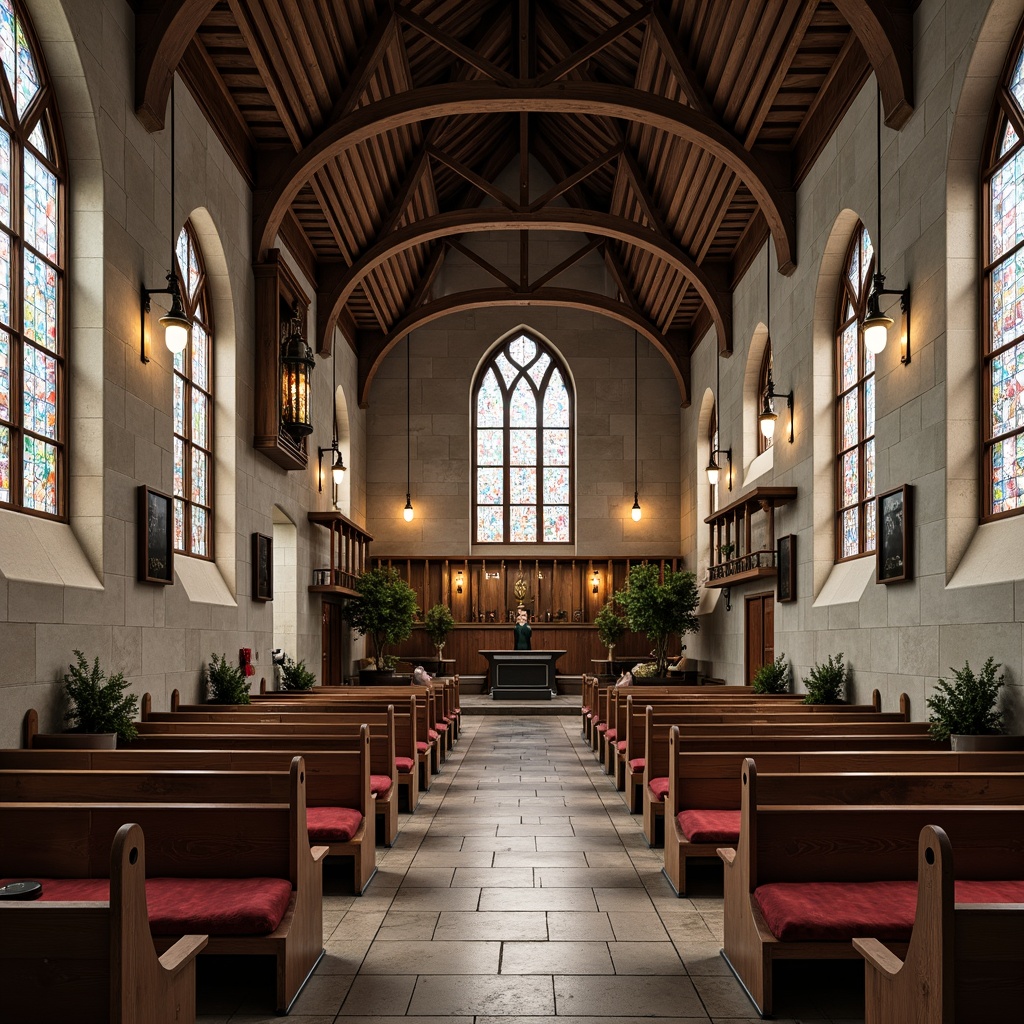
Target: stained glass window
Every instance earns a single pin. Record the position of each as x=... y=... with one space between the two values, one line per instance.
x=33 y=346
x=193 y=408
x=855 y=406
x=1003 y=330
x=523 y=446
x=763 y=443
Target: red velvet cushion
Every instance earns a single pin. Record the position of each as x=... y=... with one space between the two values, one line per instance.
x=658 y=788
x=332 y=824
x=441 y=726
x=190 y=906
x=431 y=734
x=611 y=734
x=380 y=784
x=621 y=746
x=711 y=826
x=585 y=709
x=422 y=747
x=638 y=764
x=602 y=726
x=840 y=911
x=405 y=764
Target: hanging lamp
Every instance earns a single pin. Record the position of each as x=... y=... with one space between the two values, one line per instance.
x=768 y=416
x=296 y=368
x=408 y=512
x=635 y=512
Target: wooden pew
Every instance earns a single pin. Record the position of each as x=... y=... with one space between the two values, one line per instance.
x=810 y=872
x=965 y=962
x=226 y=727
x=704 y=788
x=96 y=962
x=336 y=782
x=202 y=850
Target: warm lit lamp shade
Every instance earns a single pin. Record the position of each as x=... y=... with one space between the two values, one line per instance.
x=176 y=333
x=635 y=512
x=338 y=470
x=296 y=368
x=876 y=326
x=713 y=472
x=767 y=419
x=407 y=512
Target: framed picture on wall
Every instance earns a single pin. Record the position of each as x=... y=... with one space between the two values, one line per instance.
x=892 y=545
x=785 y=560
x=156 y=536
x=262 y=567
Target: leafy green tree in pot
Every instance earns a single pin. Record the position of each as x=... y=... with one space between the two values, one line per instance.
x=383 y=610
x=98 y=706
x=295 y=675
x=611 y=627
x=659 y=608
x=826 y=683
x=226 y=682
x=773 y=677
x=966 y=706
x=439 y=622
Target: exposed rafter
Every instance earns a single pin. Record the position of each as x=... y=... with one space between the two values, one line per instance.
x=373 y=351
x=764 y=174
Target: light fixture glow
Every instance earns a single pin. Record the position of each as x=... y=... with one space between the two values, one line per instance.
x=767 y=419
x=876 y=323
x=407 y=512
x=338 y=470
x=458 y=582
x=636 y=513
x=714 y=470
x=595 y=581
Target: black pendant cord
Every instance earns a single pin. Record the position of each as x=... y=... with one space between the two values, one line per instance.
x=408 y=419
x=768 y=287
x=636 y=418
x=174 y=248
x=878 y=178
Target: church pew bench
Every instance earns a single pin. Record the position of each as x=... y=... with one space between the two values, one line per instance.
x=311 y=711
x=243 y=874
x=339 y=804
x=702 y=809
x=95 y=961
x=805 y=880
x=656 y=746
x=225 y=725
x=964 y=962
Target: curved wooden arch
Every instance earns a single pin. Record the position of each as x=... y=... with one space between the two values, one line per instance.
x=372 y=354
x=332 y=298
x=163 y=31
x=886 y=31
x=765 y=175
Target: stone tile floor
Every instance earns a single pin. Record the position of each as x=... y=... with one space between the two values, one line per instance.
x=522 y=889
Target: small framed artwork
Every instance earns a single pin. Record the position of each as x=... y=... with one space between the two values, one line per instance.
x=156 y=536
x=263 y=567
x=785 y=560
x=892 y=547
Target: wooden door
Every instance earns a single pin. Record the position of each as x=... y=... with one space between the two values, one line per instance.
x=332 y=660
x=759 y=633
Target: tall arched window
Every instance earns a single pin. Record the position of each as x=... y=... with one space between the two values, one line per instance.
x=1002 y=406
x=523 y=446
x=193 y=408
x=33 y=337
x=855 y=406
x=763 y=443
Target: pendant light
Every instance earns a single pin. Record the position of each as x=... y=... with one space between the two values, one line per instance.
x=296 y=368
x=713 y=468
x=337 y=463
x=635 y=511
x=407 y=512
x=176 y=322
x=768 y=416
x=876 y=324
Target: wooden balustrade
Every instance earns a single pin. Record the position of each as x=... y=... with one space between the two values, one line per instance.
x=742 y=549
x=349 y=544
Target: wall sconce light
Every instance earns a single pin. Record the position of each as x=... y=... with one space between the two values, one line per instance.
x=492 y=575
x=458 y=582
x=768 y=415
x=595 y=581
x=296 y=366
x=338 y=468
x=714 y=469
x=176 y=322
x=876 y=324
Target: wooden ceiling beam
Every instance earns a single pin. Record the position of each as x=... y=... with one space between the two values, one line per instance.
x=585 y=221
x=483 y=264
x=163 y=31
x=473 y=178
x=373 y=350
x=662 y=31
x=569 y=183
x=570 y=261
x=767 y=176
x=885 y=29
x=371 y=54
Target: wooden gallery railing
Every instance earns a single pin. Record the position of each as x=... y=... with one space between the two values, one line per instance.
x=734 y=558
x=348 y=555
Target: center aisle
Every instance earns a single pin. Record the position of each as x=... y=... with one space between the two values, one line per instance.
x=520 y=889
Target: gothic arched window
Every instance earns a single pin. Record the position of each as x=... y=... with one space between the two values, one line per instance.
x=763 y=443
x=523 y=446
x=855 y=406
x=193 y=408
x=1002 y=406
x=33 y=335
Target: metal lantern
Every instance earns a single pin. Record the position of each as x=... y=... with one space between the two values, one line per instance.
x=296 y=366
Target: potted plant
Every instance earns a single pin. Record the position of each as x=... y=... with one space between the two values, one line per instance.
x=826 y=683
x=98 y=710
x=660 y=607
x=295 y=675
x=773 y=677
x=725 y=550
x=383 y=611
x=964 y=710
x=439 y=622
x=226 y=682
x=610 y=627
